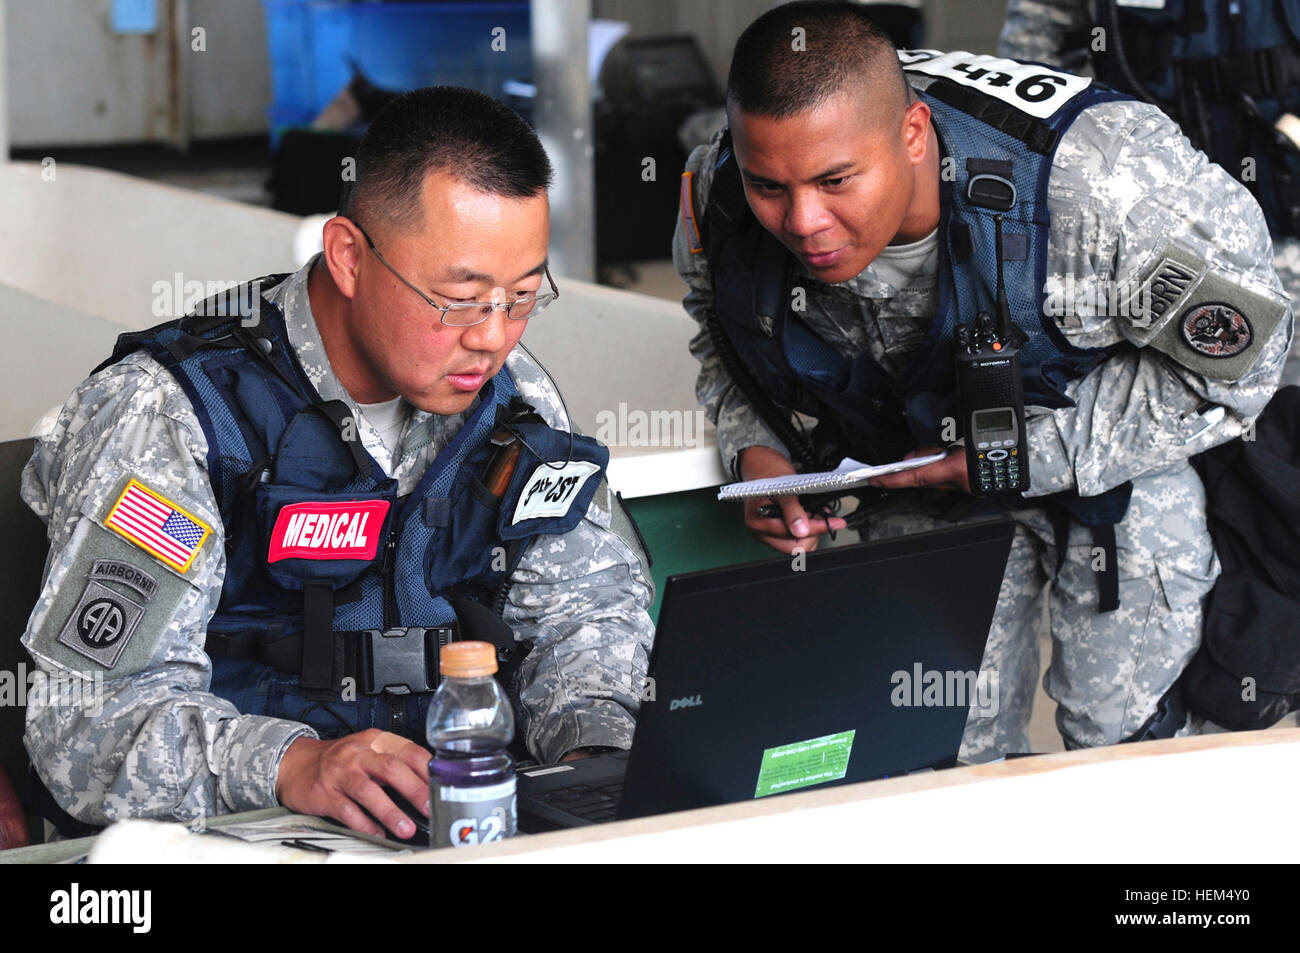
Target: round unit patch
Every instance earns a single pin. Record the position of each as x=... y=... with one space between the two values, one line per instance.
x=1216 y=330
x=101 y=623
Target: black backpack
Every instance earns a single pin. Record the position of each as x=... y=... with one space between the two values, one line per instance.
x=1247 y=673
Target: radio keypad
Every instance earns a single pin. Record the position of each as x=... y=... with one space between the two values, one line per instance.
x=999 y=470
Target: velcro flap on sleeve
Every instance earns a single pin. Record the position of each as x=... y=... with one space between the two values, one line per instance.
x=1204 y=321
x=135 y=557
x=108 y=606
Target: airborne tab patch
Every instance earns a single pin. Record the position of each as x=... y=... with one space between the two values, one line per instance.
x=139 y=580
x=158 y=526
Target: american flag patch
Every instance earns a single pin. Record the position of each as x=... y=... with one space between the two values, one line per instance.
x=157 y=525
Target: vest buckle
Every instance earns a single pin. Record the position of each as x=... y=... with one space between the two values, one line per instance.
x=402 y=660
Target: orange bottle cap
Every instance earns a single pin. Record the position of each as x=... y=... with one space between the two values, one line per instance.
x=467 y=659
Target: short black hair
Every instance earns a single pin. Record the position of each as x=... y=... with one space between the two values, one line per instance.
x=779 y=72
x=474 y=137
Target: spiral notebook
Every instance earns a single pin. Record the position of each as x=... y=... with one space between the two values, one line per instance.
x=848 y=475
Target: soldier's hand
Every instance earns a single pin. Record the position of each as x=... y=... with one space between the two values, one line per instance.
x=946 y=474
x=338 y=778
x=794 y=528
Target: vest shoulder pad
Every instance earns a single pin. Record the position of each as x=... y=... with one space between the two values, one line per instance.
x=206 y=320
x=725 y=210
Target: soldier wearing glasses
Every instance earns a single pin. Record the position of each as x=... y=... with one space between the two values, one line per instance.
x=265 y=517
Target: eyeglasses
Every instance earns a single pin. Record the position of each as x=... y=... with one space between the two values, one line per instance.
x=466 y=314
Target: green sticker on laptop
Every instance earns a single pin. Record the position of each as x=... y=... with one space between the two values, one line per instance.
x=804 y=763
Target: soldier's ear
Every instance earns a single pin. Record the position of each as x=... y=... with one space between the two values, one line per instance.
x=344 y=248
x=916 y=130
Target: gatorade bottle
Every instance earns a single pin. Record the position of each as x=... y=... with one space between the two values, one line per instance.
x=470 y=725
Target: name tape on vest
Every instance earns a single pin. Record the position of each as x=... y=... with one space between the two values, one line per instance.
x=1035 y=90
x=327 y=530
x=549 y=491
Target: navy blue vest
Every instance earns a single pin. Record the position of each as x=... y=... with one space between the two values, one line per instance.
x=877 y=417
x=309 y=515
x=1226 y=72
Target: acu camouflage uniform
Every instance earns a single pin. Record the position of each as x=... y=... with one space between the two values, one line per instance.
x=165 y=747
x=1040 y=30
x=1125 y=186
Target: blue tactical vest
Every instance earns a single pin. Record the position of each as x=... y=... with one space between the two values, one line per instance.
x=1225 y=71
x=1001 y=159
x=330 y=574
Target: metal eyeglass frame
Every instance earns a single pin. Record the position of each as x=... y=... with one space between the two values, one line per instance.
x=540 y=302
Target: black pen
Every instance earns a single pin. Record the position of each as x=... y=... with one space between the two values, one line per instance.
x=305 y=845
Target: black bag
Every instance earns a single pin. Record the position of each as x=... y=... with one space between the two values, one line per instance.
x=1247 y=673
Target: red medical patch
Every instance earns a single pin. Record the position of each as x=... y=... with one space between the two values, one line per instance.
x=348 y=530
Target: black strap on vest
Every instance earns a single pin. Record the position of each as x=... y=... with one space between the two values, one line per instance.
x=1103 y=537
x=338 y=412
x=725 y=211
x=397 y=661
x=1034 y=133
x=322 y=662
x=779 y=423
x=1261 y=74
x=341 y=416
x=477 y=621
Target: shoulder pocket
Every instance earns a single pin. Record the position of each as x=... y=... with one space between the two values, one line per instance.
x=547 y=494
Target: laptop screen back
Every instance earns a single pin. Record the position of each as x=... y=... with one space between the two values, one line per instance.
x=852 y=664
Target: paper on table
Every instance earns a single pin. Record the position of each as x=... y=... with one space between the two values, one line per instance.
x=849 y=474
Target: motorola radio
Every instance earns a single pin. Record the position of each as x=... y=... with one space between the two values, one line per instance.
x=991 y=398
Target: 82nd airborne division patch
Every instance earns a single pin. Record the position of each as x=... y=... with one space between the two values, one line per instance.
x=103 y=621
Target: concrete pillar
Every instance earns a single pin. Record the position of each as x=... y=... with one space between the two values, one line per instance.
x=564 y=124
x=4 y=88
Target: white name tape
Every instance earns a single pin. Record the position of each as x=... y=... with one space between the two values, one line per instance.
x=1035 y=90
x=549 y=491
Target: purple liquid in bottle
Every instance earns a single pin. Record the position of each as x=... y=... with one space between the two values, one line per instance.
x=471 y=775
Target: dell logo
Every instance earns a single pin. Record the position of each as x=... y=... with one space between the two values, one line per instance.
x=690 y=701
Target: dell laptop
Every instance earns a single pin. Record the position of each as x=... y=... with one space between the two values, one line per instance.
x=846 y=665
